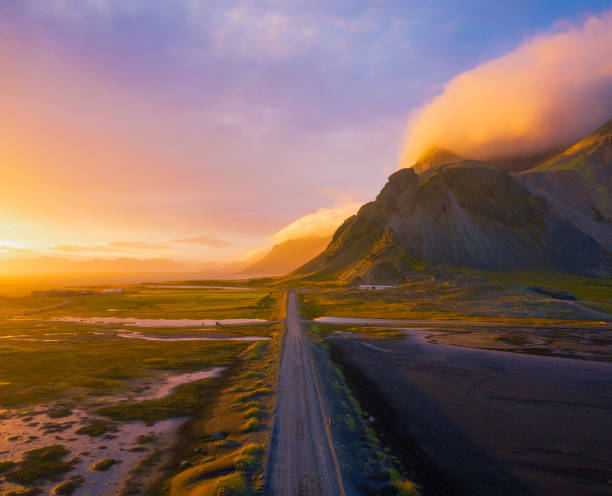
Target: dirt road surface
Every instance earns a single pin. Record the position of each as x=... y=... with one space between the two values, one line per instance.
x=302 y=461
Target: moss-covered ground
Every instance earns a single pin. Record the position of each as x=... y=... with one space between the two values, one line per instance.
x=63 y=366
x=223 y=449
x=484 y=296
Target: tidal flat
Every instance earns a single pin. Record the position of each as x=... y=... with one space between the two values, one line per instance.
x=84 y=405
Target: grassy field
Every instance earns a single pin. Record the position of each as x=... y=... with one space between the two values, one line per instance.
x=149 y=303
x=68 y=362
x=496 y=297
x=68 y=383
x=223 y=450
x=595 y=292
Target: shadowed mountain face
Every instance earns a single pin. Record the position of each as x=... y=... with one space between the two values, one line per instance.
x=578 y=184
x=463 y=213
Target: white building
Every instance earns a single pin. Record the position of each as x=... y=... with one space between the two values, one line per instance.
x=374 y=286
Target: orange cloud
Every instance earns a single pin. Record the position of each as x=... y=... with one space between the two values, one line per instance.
x=112 y=247
x=79 y=248
x=205 y=241
x=323 y=222
x=138 y=245
x=548 y=92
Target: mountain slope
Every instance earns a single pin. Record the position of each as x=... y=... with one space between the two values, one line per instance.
x=578 y=184
x=465 y=213
x=287 y=256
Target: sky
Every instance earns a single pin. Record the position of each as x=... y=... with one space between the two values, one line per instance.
x=204 y=130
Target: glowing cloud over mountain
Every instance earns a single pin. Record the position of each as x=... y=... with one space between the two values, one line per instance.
x=323 y=222
x=551 y=90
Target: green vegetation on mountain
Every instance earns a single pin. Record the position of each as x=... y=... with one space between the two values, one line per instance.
x=577 y=184
x=463 y=214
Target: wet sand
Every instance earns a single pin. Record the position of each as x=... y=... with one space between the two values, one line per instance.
x=185 y=286
x=477 y=422
x=31 y=428
x=210 y=337
x=159 y=322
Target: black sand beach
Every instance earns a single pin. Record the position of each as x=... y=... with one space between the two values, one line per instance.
x=476 y=422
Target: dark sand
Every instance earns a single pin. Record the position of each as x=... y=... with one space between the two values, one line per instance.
x=477 y=422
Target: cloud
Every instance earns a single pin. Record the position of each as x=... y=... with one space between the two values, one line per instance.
x=258 y=252
x=550 y=91
x=205 y=241
x=112 y=247
x=323 y=222
x=139 y=245
x=8 y=244
x=80 y=248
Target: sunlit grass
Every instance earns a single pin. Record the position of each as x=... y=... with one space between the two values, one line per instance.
x=85 y=365
x=148 y=303
x=484 y=296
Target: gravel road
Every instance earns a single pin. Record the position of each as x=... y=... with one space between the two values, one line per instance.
x=302 y=460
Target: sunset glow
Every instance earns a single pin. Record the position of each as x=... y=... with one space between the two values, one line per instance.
x=201 y=122
x=312 y=248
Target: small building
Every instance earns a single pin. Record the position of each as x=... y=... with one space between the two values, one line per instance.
x=112 y=291
x=374 y=286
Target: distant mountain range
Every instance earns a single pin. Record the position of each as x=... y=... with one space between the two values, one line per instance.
x=286 y=256
x=447 y=210
x=280 y=259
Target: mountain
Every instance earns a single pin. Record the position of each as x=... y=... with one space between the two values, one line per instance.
x=459 y=213
x=287 y=256
x=578 y=184
x=434 y=157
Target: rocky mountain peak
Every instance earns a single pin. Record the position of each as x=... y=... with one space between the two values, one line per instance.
x=435 y=156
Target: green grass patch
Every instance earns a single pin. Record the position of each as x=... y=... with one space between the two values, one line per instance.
x=253 y=395
x=6 y=466
x=41 y=464
x=32 y=491
x=70 y=486
x=97 y=428
x=512 y=339
x=256 y=413
x=252 y=425
x=145 y=439
x=150 y=303
x=256 y=349
x=184 y=401
x=104 y=465
x=234 y=484
x=79 y=362
x=467 y=295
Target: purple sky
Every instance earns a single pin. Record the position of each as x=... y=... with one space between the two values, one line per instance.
x=157 y=121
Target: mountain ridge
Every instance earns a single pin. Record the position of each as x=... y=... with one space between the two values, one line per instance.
x=578 y=184
x=468 y=213
x=286 y=256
